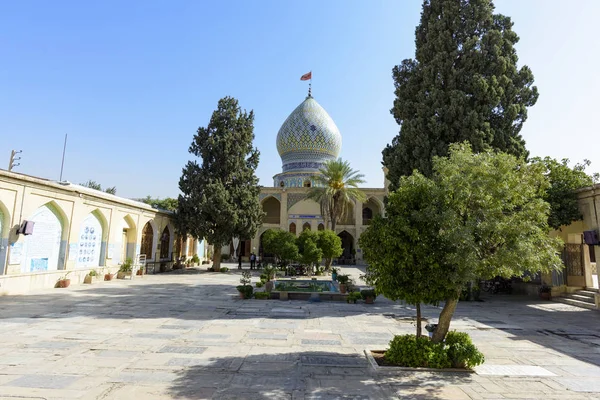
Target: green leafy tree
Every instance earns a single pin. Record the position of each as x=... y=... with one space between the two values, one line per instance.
x=168 y=203
x=219 y=197
x=462 y=85
x=336 y=188
x=477 y=217
x=310 y=253
x=96 y=186
x=562 y=195
x=331 y=246
x=281 y=244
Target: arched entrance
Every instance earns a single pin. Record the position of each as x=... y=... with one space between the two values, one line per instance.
x=293 y=228
x=43 y=249
x=321 y=227
x=370 y=209
x=90 y=242
x=347 y=256
x=306 y=227
x=147 y=240
x=4 y=230
x=165 y=240
x=272 y=209
x=127 y=237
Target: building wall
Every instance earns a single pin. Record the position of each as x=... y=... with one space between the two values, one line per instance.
x=37 y=260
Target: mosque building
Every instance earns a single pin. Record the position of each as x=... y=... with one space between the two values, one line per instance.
x=307 y=139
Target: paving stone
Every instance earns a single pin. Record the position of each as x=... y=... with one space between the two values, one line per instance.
x=321 y=342
x=182 y=349
x=512 y=370
x=269 y=336
x=44 y=381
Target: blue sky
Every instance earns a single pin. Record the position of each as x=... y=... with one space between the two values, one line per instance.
x=130 y=82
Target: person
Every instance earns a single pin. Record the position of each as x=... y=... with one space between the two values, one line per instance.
x=239 y=262
x=252 y=260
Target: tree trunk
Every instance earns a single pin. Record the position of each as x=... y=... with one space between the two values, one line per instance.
x=418 y=320
x=217 y=258
x=444 y=321
x=328 y=262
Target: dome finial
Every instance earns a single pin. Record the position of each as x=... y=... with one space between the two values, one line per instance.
x=309 y=89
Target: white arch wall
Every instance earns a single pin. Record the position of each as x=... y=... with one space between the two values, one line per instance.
x=4 y=232
x=42 y=250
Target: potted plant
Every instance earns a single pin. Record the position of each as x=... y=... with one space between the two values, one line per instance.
x=262 y=295
x=269 y=275
x=140 y=272
x=545 y=292
x=125 y=269
x=353 y=297
x=108 y=276
x=334 y=273
x=63 y=281
x=195 y=260
x=245 y=288
x=88 y=278
x=368 y=295
x=343 y=280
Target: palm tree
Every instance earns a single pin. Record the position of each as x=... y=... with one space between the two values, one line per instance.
x=336 y=189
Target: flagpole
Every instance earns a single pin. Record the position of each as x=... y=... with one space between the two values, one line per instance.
x=62 y=164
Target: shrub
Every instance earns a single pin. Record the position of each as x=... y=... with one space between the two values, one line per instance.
x=126 y=266
x=368 y=293
x=353 y=296
x=195 y=259
x=545 y=289
x=245 y=290
x=224 y=269
x=410 y=351
x=224 y=257
x=260 y=284
x=343 y=279
x=93 y=273
x=262 y=295
x=246 y=278
x=461 y=350
x=210 y=269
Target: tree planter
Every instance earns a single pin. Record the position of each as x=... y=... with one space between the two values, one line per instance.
x=375 y=359
x=546 y=296
x=87 y=279
x=108 y=277
x=343 y=288
x=122 y=275
x=63 y=283
x=369 y=300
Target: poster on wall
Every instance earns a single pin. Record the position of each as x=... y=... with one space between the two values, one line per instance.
x=38 y=264
x=90 y=240
x=16 y=253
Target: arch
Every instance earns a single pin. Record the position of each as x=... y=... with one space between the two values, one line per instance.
x=165 y=240
x=127 y=237
x=306 y=226
x=307 y=183
x=45 y=249
x=91 y=241
x=367 y=215
x=347 y=246
x=321 y=227
x=4 y=236
x=293 y=228
x=272 y=209
x=147 y=240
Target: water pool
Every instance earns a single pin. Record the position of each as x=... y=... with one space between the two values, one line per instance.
x=306 y=285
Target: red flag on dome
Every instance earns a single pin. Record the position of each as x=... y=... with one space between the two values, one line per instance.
x=306 y=76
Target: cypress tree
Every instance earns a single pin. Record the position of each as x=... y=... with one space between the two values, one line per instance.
x=219 y=197
x=462 y=85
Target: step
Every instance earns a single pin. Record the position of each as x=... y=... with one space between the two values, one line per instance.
x=575 y=303
x=581 y=297
x=588 y=292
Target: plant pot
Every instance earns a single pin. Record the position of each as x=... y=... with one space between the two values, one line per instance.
x=369 y=300
x=334 y=276
x=140 y=272
x=108 y=277
x=269 y=286
x=87 y=279
x=64 y=283
x=343 y=288
x=545 y=296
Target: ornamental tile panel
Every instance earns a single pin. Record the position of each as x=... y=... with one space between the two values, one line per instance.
x=293 y=198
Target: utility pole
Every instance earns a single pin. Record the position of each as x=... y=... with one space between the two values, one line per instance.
x=13 y=160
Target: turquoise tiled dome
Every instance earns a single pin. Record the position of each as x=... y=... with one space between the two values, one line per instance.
x=308 y=138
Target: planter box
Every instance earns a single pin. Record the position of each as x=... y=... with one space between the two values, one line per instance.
x=108 y=277
x=395 y=370
x=87 y=279
x=63 y=283
x=122 y=275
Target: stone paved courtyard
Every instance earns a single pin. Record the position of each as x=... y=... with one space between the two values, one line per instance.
x=188 y=336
